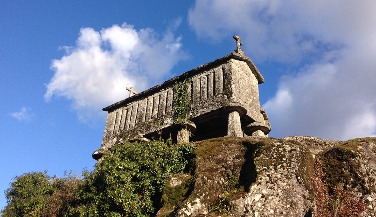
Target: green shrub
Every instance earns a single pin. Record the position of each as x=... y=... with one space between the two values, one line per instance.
x=130 y=179
x=128 y=182
x=28 y=195
x=37 y=194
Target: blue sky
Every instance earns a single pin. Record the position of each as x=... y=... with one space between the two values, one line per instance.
x=61 y=62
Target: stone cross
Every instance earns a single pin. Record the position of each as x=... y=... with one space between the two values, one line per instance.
x=131 y=91
x=238 y=44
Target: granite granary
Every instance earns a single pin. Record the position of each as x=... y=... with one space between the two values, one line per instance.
x=219 y=98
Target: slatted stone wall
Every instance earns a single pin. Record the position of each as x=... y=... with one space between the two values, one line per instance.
x=225 y=85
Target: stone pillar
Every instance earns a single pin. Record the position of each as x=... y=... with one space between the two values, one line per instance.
x=234 y=127
x=183 y=131
x=183 y=136
x=258 y=129
x=259 y=133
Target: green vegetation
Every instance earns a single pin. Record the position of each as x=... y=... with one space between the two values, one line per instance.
x=182 y=102
x=37 y=194
x=157 y=179
x=173 y=196
x=128 y=182
x=231 y=162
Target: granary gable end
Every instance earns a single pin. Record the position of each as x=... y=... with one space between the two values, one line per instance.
x=220 y=98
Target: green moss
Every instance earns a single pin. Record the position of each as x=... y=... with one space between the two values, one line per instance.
x=238 y=174
x=209 y=148
x=340 y=167
x=221 y=206
x=173 y=196
x=307 y=171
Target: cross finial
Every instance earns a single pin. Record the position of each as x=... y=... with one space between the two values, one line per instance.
x=238 y=44
x=131 y=91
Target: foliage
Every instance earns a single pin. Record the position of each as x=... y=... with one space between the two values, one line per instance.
x=37 y=194
x=28 y=195
x=221 y=205
x=174 y=195
x=130 y=180
x=182 y=102
x=65 y=190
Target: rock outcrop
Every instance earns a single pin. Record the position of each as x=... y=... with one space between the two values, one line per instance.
x=292 y=176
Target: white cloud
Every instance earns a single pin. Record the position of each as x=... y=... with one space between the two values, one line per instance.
x=332 y=96
x=23 y=115
x=95 y=72
x=363 y=123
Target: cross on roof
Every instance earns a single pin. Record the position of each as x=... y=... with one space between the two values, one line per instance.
x=131 y=91
x=238 y=44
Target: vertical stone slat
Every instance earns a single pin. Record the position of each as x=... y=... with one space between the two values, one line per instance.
x=210 y=84
x=162 y=104
x=120 y=110
x=124 y=122
x=189 y=91
x=129 y=114
x=120 y=119
x=155 y=105
x=141 y=111
x=109 y=123
x=149 y=108
x=134 y=114
x=137 y=119
x=196 y=89
x=228 y=81
x=218 y=79
x=115 y=121
x=126 y=118
x=169 y=100
x=203 y=87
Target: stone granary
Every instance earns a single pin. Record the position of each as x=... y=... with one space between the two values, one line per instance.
x=217 y=99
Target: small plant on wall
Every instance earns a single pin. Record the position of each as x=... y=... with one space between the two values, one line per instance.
x=182 y=101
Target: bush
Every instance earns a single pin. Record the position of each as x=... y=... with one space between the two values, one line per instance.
x=130 y=179
x=128 y=182
x=37 y=194
x=28 y=195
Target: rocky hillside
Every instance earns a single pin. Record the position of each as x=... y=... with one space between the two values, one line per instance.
x=293 y=176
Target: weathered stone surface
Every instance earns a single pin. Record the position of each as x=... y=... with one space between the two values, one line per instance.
x=215 y=91
x=234 y=128
x=281 y=177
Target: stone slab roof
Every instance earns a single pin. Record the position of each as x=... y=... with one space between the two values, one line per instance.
x=191 y=73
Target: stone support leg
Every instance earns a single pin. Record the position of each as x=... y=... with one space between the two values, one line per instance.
x=184 y=131
x=183 y=136
x=259 y=133
x=234 y=128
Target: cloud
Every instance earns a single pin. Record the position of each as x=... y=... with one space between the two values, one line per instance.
x=285 y=31
x=95 y=72
x=332 y=46
x=23 y=115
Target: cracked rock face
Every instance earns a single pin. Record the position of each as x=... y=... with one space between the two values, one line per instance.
x=279 y=189
x=293 y=176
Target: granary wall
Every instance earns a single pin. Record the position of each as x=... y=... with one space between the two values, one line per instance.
x=141 y=116
x=215 y=91
x=244 y=88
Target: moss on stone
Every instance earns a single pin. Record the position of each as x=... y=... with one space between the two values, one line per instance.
x=229 y=168
x=174 y=195
x=340 y=167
